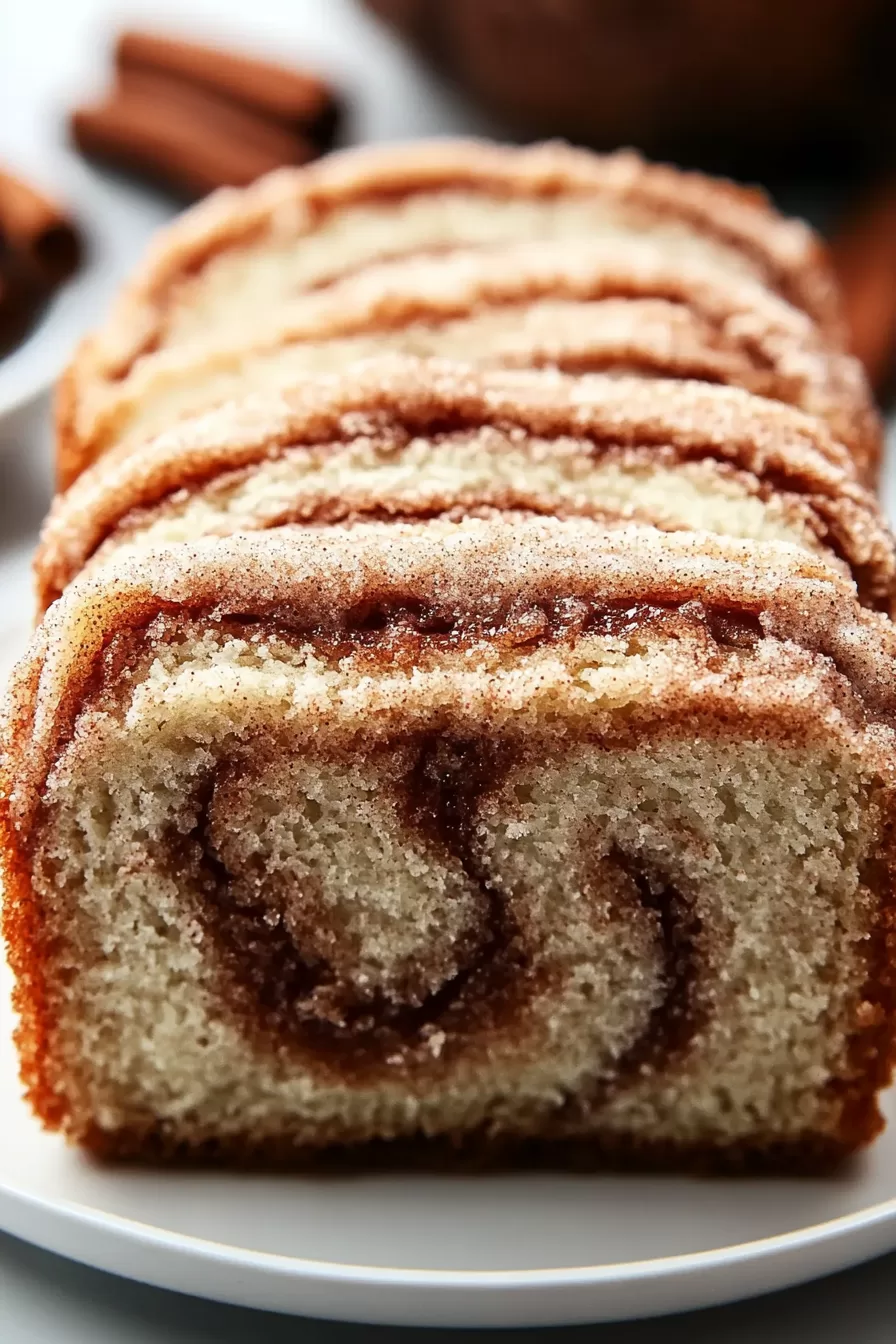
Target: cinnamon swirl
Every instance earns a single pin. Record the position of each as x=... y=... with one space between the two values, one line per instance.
x=487 y=835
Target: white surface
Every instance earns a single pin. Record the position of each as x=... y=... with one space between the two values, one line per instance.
x=524 y=1249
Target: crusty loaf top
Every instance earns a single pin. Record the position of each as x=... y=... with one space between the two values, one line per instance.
x=402 y=397
x=288 y=204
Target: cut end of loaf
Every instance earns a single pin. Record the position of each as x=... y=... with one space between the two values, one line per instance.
x=584 y=857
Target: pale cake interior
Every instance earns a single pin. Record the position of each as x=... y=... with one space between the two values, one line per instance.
x=686 y=928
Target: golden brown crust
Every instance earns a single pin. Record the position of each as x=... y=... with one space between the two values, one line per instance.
x=323 y=573
x=472 y=1153
x=319 y=581
x=784 y=450
x=785 y=254
x=658 y=315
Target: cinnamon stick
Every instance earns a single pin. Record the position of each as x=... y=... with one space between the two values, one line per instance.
x=182 y=136
x=37 y=232
x=305 y=103
x=864 y=253
x=20 y=299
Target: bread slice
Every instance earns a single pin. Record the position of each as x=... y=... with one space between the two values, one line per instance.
x=234 y=260
x=581 y=305
x=530 y=840
x=414 y=439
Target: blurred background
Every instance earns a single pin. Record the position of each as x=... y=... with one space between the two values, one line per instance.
x=756 y=87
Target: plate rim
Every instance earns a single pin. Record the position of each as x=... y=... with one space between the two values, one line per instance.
x=628 y=1272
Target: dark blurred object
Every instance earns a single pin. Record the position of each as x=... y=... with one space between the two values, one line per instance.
x=39 y=249
x=721 y=83
x=19 y=303
x=799 y=93
x=191 y=118
x=864 y=254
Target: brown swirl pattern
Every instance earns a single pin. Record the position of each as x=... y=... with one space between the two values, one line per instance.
x=284 y=964
x=293 y=986
x=674 y=1020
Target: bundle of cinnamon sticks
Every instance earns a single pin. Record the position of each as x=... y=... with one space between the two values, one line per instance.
x=39 y=249
x=191 y=117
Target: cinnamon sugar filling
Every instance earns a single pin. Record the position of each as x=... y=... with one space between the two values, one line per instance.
x=285 y=963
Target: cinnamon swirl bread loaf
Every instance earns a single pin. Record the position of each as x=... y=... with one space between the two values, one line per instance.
x=545 y=255
x=509 y=838
x=474 y=757
x=413 y=439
